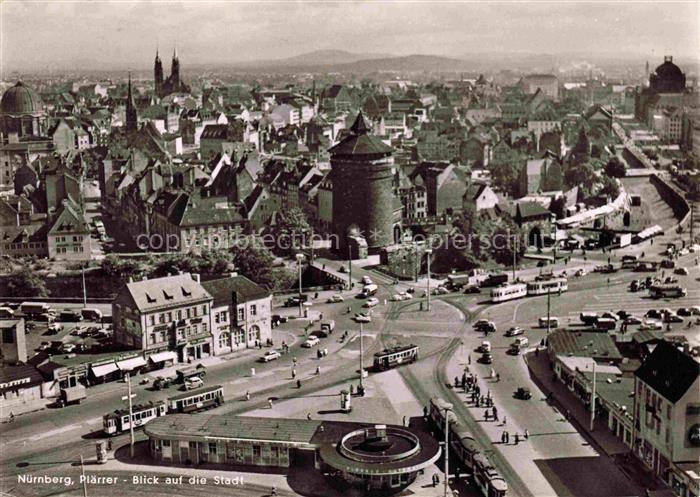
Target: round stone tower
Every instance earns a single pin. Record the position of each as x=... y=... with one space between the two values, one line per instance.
x=362 y=171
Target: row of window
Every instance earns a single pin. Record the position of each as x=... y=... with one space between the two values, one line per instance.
x=64 y=250
x=25 y=246
x=63 y=239
x=178 y=315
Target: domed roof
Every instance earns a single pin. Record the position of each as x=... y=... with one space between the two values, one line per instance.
x=668 y=69
x=21 y=99
x=668 y=78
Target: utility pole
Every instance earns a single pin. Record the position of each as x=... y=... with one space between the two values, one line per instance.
x=82 y=470
x=447 y=450
x=428 y=253
x=549 y=299
x=300 y=257
x=82 y=271
x=593 y=399
x=131 y=415
x=515 y=250
x=349 y=267
x=362 y=364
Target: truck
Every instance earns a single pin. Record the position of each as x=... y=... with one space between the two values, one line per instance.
x=90 y=314
x=495 y=280
x=588 y=318
x=72 y=395
x=34 y=309
x=369 y=290
x=6 y=313
x=667 y=291
x=328 y=326
x=605 y=324
x=629 y=261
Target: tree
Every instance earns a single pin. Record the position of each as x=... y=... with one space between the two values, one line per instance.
x=582 y=175
x=615 y=168
x=610 y=187
x=583 y=145
x=25 y=283
x=114 y=267
x=504 y=176
x=293 y=231
x=252 y=259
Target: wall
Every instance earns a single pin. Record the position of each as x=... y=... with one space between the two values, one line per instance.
x=673 y=197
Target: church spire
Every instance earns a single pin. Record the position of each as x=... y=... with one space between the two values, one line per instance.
x=131 y=116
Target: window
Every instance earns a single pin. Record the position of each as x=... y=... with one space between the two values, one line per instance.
x=8 y=336
x=224 y=316
x=212 y=448
x=205 y=327
x=152 y=338
x=152 y=320
x=253 y=310
x=216 y=318
x=188 y=313
x=169 y=316
x=179 y=314
x=241 y=313
x=256 y=451
x=166 y=443
x=161 y=318
x=204 y=310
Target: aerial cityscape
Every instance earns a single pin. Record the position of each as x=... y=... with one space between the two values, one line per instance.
x=325 y=249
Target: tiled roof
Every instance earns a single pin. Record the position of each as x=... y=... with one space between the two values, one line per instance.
x=669 y=371
x=527 y=210
x=69 y=220
x=222 y=289
x=168 y=291
x=586 y=344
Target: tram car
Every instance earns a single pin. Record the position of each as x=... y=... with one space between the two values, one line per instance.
x=196 y=400
x=507 y=292
x=395 y=356
x=542 y=287
x=466 y=451
x=119 y=422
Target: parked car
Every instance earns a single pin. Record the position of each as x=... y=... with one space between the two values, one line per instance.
x=580 y=272
x=683 y=271
x=684 y=311
x=523 y=393
x=486 y=358
x=270 y=355
x=335 y=298
x=193 y=383
x=514 y=331
x=311 y=342
x=653 y=314
x=396 y=298
x=472 y=289
x=294 y=301
x=68 y=348
x=485 y=346
x=44 y=346
x=672 y=318
x=406 y=295
x=161 y=383
x=632 y=320
x=695 y=310
x=366 y=280
x=363 y=318
x=651 y=324
x=623 y=314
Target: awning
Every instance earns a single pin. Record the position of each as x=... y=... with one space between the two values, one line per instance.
x=104 y=369
x=133 y=363
x=163 y=356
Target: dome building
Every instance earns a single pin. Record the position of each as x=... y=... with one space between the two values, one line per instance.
x=22 y=112
x=668 y=78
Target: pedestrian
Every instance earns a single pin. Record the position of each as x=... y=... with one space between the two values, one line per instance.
x=469 y=359
x=507 y=437
x=273 y=491
x=495 y=413
x=503 y=437
x=464 y=379
x=324 y=267
x=477 y=402
x=527 y=434
x=568 y=415
x=517 y=439
x=403 y=423
x=504 y=420
x=308 y=416
x=247 y=395
x=294 y=360
x=352 y=389
x=456 y=382
x=109 y=444
x=294 y=373
x=269 y=403
x=498 y=376
x=298 y=383
x=318 y=370
x=12 y=418
x=315 y=295
x=486 y=415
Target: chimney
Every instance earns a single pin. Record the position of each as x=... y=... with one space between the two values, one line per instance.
x=195 y=277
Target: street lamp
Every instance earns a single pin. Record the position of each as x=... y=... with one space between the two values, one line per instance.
x=300 y=257
x=447 y=448
x=429 y=253
x=362 y=364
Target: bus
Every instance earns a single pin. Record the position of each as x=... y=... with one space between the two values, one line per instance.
x=667 y=291
x=508 y=292
x=34 y=309
x=395 y=356
x=457 y=281
x=196 y=400
x=119 y=422
x=369 y=290
x=554 y=285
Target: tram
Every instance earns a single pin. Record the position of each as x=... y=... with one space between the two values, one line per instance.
x=395 y=356
x=469 y=458
x=119 y=422
x=554 y=285
x=507 y=292
x=196 y=400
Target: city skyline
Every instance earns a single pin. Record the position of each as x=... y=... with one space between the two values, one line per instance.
x=73 y=35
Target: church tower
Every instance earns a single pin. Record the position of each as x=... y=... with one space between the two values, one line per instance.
x=131 y=117
x=175 y=70
x=158 y=73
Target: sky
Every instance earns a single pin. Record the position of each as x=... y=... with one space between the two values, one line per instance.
x=104 y=34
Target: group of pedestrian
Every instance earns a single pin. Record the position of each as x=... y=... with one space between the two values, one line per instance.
x=493 y=414
x=505 y=437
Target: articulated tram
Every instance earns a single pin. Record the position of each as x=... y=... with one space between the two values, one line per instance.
x=508 y=291
x=554 y=285
x=512 y=291
x=195 y=400
x=466 y=451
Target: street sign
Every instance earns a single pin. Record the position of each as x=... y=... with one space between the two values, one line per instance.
x=126 y=397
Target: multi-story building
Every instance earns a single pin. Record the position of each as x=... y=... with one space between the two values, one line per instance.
x=667 y=417
x=240 y=314
x=68 y=236
x=13 y=345
x=547 y=83
x=160 y=314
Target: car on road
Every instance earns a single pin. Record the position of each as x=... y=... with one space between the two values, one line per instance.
x=623 y=314
x=371 y=302
x=160 y=383
x=311 y=342
x=405 y=295
x=485 y=346
x=54 y=328
x=523 y=393
x=362 y=318
x=514 y=331
x=480 y=323
x=684 y=311
x=651 y=324
x=486 y=358
x=270 y=355
x=609 y=315
x=335 y=298
x=472 y=289
x=672 y=318
x=411 y=290
x=441 y=290
x=632 y=320
x=682 y=271
x=296 y=300
x=580 y=272
x=653 y=314
x=68 y=348
x=366 y=280
x=695 y=310
x=396 y=298
x=193 y=382
x=44 y=346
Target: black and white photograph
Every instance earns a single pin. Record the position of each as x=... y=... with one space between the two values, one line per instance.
x=318 y=248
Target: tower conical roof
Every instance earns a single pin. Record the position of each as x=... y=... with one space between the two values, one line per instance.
x=360 y=142
x=360 y=127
